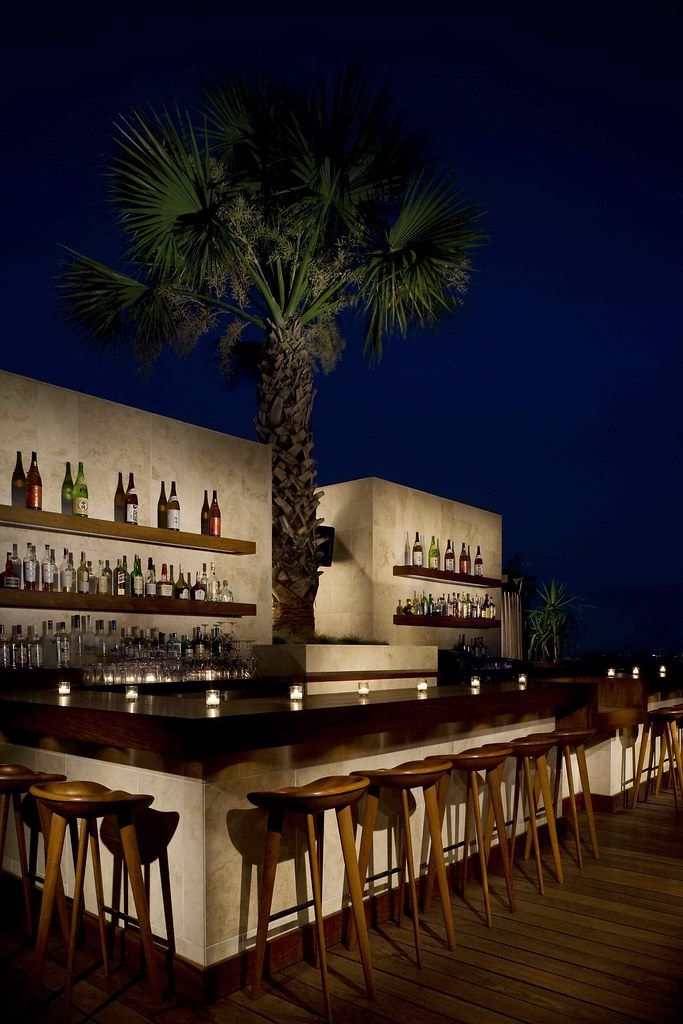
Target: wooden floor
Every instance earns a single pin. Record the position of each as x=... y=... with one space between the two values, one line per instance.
x=607 y=946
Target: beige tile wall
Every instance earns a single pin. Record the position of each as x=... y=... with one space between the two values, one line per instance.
x=358 y=594
x=108 y=437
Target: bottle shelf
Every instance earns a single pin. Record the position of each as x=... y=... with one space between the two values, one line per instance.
x=415 y=572
x=55 y=522
x=59 y=600
x=445 y=622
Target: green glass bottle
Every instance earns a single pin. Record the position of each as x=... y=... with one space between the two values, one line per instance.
x=137 y=581
x=433 y=555
x=80 y=494
x=68 y=492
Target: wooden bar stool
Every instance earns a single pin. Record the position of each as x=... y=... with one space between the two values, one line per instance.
x=663 y=751
x=86 y=802
x=15 y=782
x=534 y=748
x=410 y=775
x=569 y=740
x=154 y=830
x=488 y=759
x=658 y=725
x=335 y=792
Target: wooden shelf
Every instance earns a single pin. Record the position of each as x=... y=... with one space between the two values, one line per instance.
x=59 y=600
x=414 y=572
x=55 y=522
x=445 y=622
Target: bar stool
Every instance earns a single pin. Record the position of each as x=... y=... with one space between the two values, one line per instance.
x=335 y=792
x=569 y=740
x=86 y=802
x=15 y=782
x=489 y=759
x=154 y=830
x=659 y=724
x=534 y=748
x=409 y=775
x=663 y=753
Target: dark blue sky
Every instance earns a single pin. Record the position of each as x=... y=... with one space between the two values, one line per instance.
x=562 y=409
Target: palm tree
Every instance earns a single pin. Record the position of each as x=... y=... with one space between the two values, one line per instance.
x=257 y=224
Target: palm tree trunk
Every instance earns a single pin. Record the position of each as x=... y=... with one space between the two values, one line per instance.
x=285 y=404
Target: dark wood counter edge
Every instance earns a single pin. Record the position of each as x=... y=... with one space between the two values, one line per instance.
x=181 y=729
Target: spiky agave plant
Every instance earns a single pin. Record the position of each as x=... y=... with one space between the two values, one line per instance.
x=550 y=623
x=256 y=225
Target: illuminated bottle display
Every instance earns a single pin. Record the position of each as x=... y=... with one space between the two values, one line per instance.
x=131 y=501
x=34 y=485
x=173 y=510
x=214 y=517
x=478 y=563
x=433 y=555
x=449 y=558
x=162 y=508
x=80 y=494
x=205 y=515
x=463 y=560
x=120 y=502
x=19 y=484
x=67 y=492
x=418 y=559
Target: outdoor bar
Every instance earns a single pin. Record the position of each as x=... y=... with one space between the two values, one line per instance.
x=187 y=700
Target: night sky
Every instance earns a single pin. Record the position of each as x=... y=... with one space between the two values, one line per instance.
x=554 y=396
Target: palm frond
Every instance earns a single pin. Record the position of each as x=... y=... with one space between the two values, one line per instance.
x=418 y=272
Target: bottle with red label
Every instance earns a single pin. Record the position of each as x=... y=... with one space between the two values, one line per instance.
x=34 y=485
x=214 y=517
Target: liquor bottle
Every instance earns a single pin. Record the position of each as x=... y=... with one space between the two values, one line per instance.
x=19 y=654
x=205 y=515
x=49 y=643
x=225 y=593
x=126 y=576
x=137 y=582
x=5 y=650
x=213 y=586
x=417 y=551
x=34 y=485
x=182 y=587
x=492 y=609
x=82 y=577
x=106 y=585
x=171 y=578
x=463 y=560
x=67 y=492
x=173 y=510
x=214 y=517
x=19 y=484
x=89 y=642
x=469 y=561
x=30 y=569
x=164 y=588
x=162 y=506
x=150 y=579
x=119 y=583
x=47 y=571
x=55 y=570
x=92 y=578
x=198 y=592
x=120 y=502
x=131 y=502
x=449 y=558
x=407 y=553
x=433 y=555
x=16 y=563
x=63 y=645
x=80 y=494
x=478 y=563
x=11 y=579
x=77 y=642
x=72 y=570
x=65 y=573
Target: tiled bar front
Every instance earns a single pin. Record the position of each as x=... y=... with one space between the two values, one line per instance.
x=215 y=855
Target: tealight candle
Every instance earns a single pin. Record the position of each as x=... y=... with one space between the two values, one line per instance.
x=131 y=691
x=422 y=686
x=636 y=671
x=662 y=670
x=363 y=688
x=64 y=688
x=611 y=672
x=521 y=678
x=213 y=698
x=296 y=691
x=150 y=677
x=475 y=681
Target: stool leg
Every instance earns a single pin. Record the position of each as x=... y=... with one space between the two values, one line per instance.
x=4 y=815
x=318 y=909
x=641 y=761
x=116 y=878
x=468 y=829
x=412 y=888
x=674 y=759
x=75 y=914
x=532 y=821
x=660 y=770
x=168 y=915
x=369 y=818
x=23 y=860
x=542 y=771
x=132 y=858
x=434 y=823
x=319 y=822
x=527 y=839
x=666 y=749
x=99 y=893
x=572 y=804
x=348 y=845
x=52 y=877
x=442 y=800
x=474 y=790
x=677 y=756
x=515 y=810
x=493 y=778
x=401 y=888
x=587 y=802
x=273 y=838
x=655 y=734
x=46 y=817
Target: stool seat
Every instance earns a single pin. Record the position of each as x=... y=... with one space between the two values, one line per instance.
x=15 y=778
x=480 y=759
x=535 y=745
x=572 y=737
x=409 y=775
x=665 y=715
x=322 y=795
x=87 y=799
